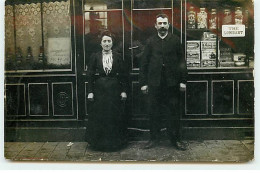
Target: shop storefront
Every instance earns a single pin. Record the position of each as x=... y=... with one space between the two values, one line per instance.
x=48 y=44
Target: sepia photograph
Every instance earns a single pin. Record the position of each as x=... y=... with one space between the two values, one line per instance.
x=129 y=81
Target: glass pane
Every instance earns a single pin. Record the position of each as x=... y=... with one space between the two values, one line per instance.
x=95 y=23
x=57 y=35
x=28 y=35
x=102 y=4
x=9 y=38
x=143 y=28
x=142 y=4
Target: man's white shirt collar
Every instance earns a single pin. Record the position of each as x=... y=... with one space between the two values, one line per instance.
x=163 y=37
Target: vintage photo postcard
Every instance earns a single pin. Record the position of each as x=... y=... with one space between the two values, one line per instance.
x=157 y=81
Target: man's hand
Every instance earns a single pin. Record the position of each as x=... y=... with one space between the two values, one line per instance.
x=182 y=87
x=123 y=96
x=144 y=89
x=91 y=97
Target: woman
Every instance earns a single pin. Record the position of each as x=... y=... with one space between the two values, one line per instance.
x=107 y=92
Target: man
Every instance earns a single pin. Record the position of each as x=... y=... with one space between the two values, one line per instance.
x=162 y=76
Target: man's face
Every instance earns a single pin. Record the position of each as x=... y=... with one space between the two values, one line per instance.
x=162 y=25
x=106 y=43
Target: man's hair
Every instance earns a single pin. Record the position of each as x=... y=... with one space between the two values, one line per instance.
x=162 y=15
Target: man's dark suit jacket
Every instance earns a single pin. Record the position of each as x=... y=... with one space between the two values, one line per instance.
x=165 y=52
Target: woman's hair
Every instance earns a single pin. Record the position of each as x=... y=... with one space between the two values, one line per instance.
x=106 y=33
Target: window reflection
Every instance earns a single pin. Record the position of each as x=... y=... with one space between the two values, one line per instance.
x=143 y=28
x=143 y=4
x=95 y=23
x=102 y=4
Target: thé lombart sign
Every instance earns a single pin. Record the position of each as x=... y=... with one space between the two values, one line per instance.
x=233 y=30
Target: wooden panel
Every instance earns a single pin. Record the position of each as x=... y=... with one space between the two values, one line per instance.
x=245 y=97
x=196 y=99
x=139 y=100
x=222 y=97
x=62 y=99
x=38 y=99
x=15 y=99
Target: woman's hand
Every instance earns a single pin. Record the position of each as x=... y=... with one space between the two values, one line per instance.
x=144 y=89
x=91 y=97
x=123 y=96
x=182 y=87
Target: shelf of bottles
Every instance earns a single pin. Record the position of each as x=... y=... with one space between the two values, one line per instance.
x=210 y=46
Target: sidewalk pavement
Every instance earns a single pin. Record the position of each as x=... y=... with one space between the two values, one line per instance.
x=198 y=151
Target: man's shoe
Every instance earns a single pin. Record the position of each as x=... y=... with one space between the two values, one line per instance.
x=151 y=144
x=179 y=145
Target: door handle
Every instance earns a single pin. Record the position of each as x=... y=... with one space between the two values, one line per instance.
x=134 y=47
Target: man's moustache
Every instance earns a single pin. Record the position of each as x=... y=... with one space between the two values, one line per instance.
x=163 y=29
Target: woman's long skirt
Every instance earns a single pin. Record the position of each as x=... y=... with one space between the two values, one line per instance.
x=106 y=126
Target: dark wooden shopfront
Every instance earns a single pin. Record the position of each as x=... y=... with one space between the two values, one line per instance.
x=46 y=100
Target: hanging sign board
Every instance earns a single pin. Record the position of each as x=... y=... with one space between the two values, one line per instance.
x=233 y=30
x=59 y=51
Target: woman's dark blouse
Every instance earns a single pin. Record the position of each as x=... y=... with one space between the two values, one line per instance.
x=95 y=70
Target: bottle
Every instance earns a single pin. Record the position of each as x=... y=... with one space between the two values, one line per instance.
x=238 y=16
x=41 y=55
x=19 y=56
x=202 y=19
x=227 y=18
x=191 y=18
x=8 y=55
x=213 y=19
x=29 y=56
x=246 y=18
x=8 y=59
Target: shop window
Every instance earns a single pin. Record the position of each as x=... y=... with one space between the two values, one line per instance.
x=38 y=36
x=219 y=34
x=57 y=34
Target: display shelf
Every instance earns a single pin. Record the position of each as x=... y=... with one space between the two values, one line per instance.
x=229 y=49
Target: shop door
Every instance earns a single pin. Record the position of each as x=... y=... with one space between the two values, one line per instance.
x=97 y=16
x=143 y=18
x=131 y=22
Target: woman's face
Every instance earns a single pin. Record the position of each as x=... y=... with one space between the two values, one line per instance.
x=106 y=43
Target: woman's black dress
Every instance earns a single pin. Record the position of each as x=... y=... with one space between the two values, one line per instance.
x=106 y=122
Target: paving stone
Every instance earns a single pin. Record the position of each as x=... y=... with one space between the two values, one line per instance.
x=245 y=158
x=232 y=143
x=46 y=150
x=12 y=149
x=93 y=156
x=212 y=144
x=221 y=154
x=249 y=144
x=182 y=156
x=132 y=154
x=196 y=145
x=58 y=155
x=79 y=147
x=74 y=156
x=16 y=146
x=63 y=146
x=111 y=156
x=29 y=151
x=8 y=144
x=198 y=151
x=10 y=154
